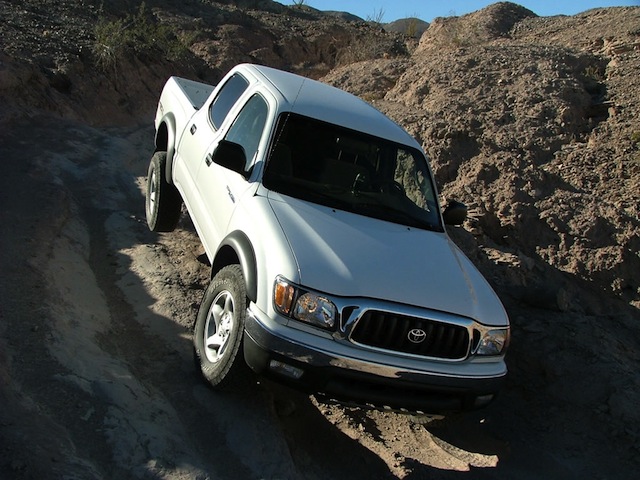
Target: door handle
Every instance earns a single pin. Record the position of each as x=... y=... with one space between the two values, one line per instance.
x=233 y=199
x=208 y=159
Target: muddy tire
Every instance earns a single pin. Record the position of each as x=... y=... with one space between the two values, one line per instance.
x=163 y=202
x=219 y=328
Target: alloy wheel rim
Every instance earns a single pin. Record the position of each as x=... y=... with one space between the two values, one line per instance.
x=153 y=192
x=218 y=326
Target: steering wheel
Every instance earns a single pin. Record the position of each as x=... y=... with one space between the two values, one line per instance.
x=390 y=186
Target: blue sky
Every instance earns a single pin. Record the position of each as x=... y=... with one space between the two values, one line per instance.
x=427 y=10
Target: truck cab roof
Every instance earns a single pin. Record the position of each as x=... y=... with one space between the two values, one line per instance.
x=318 y=100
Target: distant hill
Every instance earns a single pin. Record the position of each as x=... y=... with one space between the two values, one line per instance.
x=349 y=17
x=412 y=26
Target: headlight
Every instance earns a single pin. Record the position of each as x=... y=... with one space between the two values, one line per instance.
x=308 y=307
x=493 y=342
x=315 y=309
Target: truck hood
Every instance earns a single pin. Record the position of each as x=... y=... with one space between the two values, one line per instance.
x=346 y=254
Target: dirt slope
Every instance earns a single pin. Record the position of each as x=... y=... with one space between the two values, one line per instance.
x=533 y=122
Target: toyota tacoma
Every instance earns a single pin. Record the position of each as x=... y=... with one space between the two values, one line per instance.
x=331 y=268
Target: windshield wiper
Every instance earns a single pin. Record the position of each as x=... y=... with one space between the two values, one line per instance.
x=303 y=192
x=385 y=212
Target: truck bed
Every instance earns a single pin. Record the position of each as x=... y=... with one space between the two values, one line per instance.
x=196 y=92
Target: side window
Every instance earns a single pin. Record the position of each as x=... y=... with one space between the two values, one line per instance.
x=226 y=98
x=248 y=126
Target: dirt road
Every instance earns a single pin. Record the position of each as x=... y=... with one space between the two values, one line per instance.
x=96 y=370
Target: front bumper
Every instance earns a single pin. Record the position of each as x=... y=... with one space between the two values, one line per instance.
x=347 y=373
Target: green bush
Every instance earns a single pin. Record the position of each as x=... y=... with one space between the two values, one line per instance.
x=136 y=34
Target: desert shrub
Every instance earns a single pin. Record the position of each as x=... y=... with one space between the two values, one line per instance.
x=369 y=47
x=377 y=16
x=412 y=27
x=594 y=72
x=135 y=34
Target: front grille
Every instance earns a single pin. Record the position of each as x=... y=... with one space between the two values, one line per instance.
x=413 y=335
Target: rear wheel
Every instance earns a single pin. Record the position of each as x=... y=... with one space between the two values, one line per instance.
x=163 y=202
x=217 y=336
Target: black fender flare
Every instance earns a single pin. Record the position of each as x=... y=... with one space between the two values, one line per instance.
x=236 y=247
x=168 y=143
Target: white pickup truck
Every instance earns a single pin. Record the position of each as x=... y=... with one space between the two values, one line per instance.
x=331 y=269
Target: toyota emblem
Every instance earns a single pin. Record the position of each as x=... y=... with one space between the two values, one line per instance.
x=417 y=335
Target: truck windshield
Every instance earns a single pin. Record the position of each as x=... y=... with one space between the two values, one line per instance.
x=348 y=170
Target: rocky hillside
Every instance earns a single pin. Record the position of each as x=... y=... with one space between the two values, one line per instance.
x=105 y=62
x=531 y=121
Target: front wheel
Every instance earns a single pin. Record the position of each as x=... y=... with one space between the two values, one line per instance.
x=163 y=202
x=219 y=328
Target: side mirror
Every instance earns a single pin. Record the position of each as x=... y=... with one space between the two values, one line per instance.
x=455 y=213
x=230 y=155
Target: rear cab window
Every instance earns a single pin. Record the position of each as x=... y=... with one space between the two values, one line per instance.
x=226 y=99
